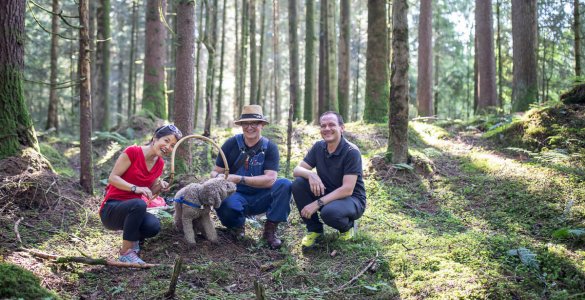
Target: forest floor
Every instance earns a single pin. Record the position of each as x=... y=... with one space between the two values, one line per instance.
x=471 y=220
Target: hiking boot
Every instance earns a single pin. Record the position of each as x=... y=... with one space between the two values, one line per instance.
x=130 y=257
x=310 y=239
x=270 y=235
x=238 y=232
x=348 y=235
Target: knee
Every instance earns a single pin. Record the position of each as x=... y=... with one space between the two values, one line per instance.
x=138 y=205
x=329 y=215
x=152 y=229
x=299 y=184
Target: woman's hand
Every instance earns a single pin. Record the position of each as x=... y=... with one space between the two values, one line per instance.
x=309 y=210
x=164 y=186
x=317 y=186
x=145 y=191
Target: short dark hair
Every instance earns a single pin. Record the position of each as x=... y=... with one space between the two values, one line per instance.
x=339 y=117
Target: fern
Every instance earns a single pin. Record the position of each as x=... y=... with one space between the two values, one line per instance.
x=526 y=257
x=566 y=233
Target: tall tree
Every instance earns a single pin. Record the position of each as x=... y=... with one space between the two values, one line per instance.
x=154 y=90
x=577 y=38
x=486 y=59
x=132 y=71
x=424 y=83
x=293 y=47
x=198 y=92
x=101 y=99
x=524 y=84
x=259 y=98
x=243 y=56
x=85 y=115
x=344 y=52
x=276 y=59
x=376 y=100
x=211 y=45
x=253 y=61
x=52 y=113
x=499 y=55
x=398 y=115
x=327 y=58
x=309 y=60
x=16 y=127
x=222 y=54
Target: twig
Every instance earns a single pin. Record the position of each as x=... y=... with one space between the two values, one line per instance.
x=352 y=280
x=176 y=272
x=87 y=260
x=16 y=230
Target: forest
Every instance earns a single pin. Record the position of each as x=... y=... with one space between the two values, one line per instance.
x=469 y=116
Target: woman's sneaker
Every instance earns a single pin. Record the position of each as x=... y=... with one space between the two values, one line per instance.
x=130 y=257
x=136 y=247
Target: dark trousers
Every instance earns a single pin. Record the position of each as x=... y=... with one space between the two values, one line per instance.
x=130 y=216
x=339 y=214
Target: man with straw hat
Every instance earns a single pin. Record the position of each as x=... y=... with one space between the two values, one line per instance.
x=253 y=163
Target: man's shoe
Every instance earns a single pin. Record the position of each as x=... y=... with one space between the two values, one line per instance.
x=270 y=235
x=238 y=232
x=310 y=239
x=348 y=235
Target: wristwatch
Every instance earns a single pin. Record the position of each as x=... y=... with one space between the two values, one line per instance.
x=133 y=189
x=242 y=180
x=320 y=202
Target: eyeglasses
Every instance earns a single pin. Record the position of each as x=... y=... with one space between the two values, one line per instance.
x=253 y=125
x=173 y=129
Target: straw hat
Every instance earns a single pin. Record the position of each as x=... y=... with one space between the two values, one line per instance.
x=251 y=113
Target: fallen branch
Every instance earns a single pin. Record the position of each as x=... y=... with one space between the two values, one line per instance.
x=16 y=230
x=170 y=294
x=358 y=275
x=87 y=260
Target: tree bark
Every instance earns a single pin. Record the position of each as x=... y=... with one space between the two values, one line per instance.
x=85 y=115
x=524 y=83
x=101 y=102
x=331 y=99
x=424 y=89
x=344 y=52
x=16 y=127
x=253 y=61
x=259 y=97
x=293 y=48
x=376 y=99
x=198 y=97
x=276 y=59
x=398 y=116
x=211 y=32
x=222 y=54
x=132 y=71
x=154 y=98
x=53 y=110
x=486 y=68
x=577 y=33
x=309 y=61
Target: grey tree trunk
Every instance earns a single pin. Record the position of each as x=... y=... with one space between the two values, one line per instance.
x=253 y=61
x=293 y=47
x=211 y=45
x=344 y=53
x=222 y=54
x=276 y=59
x=486 y=67
x=577 y=33
x=524 y=83
x=85 y=115
x=52 y=112
x=309 y=61
x=376 y=99
x=101 y=101
x=132 y=71
x=424 y=89
x=154 y=97
x=260 y=98
x=398 y=116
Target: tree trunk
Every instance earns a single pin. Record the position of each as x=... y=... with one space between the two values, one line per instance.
x=321 y=78
x=356 y=85
x=16 y=127
x=243 y=56
x=171 y=68
x=211 y=32
x=220 y=88
x=276 y=59
x=486 y=67
x=376 y=100
x=198 y=97
x=309 y=61
x=236 y=106
x=85 y=115
x=53 y=111
x=344 y=52
x=101 y=101
x=424 y=89
x=293 y=47
x=120 y=93
x=500 y=61
x=331 y=99
x=259 y=97
x=577 y=31
x=253 y=62
x=154 y=98
x=132 y=71
x=398 y=116
x=524 y=83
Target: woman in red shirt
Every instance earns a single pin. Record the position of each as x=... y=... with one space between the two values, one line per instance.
x=132 y=182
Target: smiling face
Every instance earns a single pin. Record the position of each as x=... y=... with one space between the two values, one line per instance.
x=252 y=130
x=164 y=145
x=330 y=129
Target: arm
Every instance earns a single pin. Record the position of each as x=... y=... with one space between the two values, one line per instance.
x=305 y=170
x=262 y=181
x=120 y=167
x=345 y=190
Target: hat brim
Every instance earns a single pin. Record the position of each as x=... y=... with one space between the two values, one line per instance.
x=251 y=120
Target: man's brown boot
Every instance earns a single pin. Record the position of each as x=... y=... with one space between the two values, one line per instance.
x=270 y=235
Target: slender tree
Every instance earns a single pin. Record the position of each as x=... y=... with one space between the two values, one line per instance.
x=524 y=84
x=276 y=60
x=253 y=56
x=398 y=115
x=293 y=47
x=309 y=60
x=424 y=84
x=154 y=90
x=486 y=67
x=236 y=106
x=85 y=115
x=499 y=54
x=344 y=52
x=577 y=36
x=198 y=92
x=331 y=99
x=222 y=54
x=259 y=98
x=243 y=55
x=52 y=112
x=132 y=70
x=119 y=100
x=211 y=45
x=376 y=100
x=16 y=127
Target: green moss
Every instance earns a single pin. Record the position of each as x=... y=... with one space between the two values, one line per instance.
x=18 y=283
x=57 y=159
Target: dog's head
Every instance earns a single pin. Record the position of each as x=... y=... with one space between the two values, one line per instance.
x=215 y=190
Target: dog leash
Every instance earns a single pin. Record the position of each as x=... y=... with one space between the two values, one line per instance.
x=183 y=201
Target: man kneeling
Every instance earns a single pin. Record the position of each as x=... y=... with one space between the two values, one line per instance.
x=336 y=189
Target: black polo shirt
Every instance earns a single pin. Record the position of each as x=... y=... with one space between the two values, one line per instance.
x=345 y=160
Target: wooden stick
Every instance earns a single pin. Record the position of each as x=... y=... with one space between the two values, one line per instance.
x=260 y=291
x=87 y=260
x=16 y=230
x=176 y=272
x=352 y=280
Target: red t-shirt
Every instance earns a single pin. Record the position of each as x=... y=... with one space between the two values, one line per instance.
x=137 y=174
